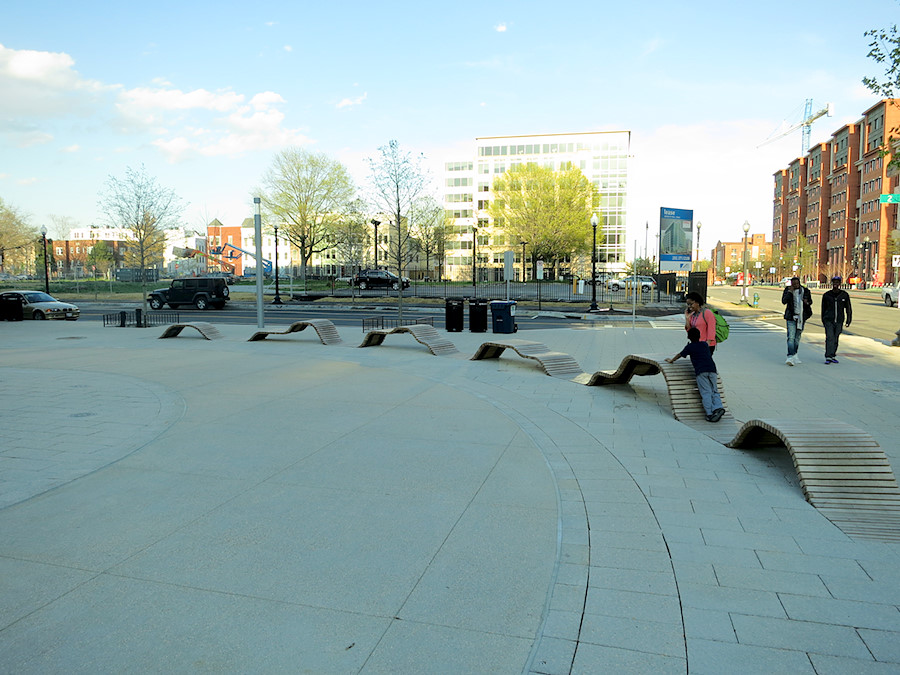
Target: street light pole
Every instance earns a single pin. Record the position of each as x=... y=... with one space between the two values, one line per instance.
x=523 y=261
x=699 y=225
x=475 y=258
x=277 y=300
x=594 y=222
x=46 y=266
x=376 y=223
x=744 y=285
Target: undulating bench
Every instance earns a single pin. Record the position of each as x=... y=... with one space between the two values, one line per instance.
x=555 y=364
x=324 y=328
x=207 y=330
x=423 y=333
x=843 y=471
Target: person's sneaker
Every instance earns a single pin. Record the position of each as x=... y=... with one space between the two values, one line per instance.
x=834 y=360
x=827 y=361
x=709 y=418
x=717 y=414
x=789 y=361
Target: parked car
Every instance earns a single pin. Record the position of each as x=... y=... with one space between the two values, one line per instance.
x=378 y=279
x=38 y=305
x=889 y=295
x=647 y=283
x=201 y=292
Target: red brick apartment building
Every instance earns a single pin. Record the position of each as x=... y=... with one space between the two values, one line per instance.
x=827 y=206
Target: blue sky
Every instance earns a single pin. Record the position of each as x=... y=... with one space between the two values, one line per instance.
x=204 y=94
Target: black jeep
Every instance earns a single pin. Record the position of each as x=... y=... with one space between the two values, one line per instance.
x=201 y=292
x=378 y=279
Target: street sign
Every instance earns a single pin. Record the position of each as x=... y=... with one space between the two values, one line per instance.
x=895 y=261
x=889 y=199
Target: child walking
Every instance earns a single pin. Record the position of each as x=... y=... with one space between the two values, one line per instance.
x=705 y=370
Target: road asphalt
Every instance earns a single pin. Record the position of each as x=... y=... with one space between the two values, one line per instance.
x=186 y=505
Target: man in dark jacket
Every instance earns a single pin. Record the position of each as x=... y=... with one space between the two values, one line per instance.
x=835 y=308
x=799 y=308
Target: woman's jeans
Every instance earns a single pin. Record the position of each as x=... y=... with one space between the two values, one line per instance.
x=793 y=337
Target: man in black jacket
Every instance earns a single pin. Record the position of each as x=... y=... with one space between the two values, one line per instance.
x=835 y=308
x=799 y=308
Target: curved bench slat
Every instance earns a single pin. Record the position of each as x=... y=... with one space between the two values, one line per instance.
x=324 y=328
x=554 y=364
x=206 y=329
x=423 y=334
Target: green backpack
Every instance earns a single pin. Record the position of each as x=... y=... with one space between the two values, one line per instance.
x=721 y=326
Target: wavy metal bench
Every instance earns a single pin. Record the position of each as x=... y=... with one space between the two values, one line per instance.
x=207 y=330
x=842 y=469
x=555 y=364
x=324 y=328
x=422 y=332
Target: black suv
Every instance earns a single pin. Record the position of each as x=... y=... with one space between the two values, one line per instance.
x=378 y=279
x=201 y=292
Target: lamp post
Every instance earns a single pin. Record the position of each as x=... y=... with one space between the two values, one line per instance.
x=257 y=237
x=744 y=285
x=867 y=257
x=475 y=258
x=375 y=224
x=523 y=261
x=699 y=225
x=277 y=300
x=46 y=266
x=594 y=222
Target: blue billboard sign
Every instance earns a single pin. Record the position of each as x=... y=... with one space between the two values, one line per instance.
x=676 y=239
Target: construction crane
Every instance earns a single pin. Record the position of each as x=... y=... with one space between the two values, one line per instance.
x=805 y=124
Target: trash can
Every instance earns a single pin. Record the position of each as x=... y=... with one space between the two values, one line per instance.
x=477 y=315
x=11 y=310
x=454 y=315
x=503 y=316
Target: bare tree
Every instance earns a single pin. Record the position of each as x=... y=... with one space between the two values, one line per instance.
x=137 y=203
x=307 y=195
x=431 y=230
x=398 y=180
x=350 y=236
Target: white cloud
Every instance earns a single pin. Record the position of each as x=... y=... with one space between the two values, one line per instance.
x=288 y=48
x=42 y=85
x=349 y=102
x=500 y=28
x=27 y=181
x=133 y=101
x=255 y=126
x=71 y=148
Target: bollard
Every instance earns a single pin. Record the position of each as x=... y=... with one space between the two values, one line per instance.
x=123 y=319
x=756 y=299
x=138 y=318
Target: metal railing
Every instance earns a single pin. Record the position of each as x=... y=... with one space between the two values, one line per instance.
x=137 y=318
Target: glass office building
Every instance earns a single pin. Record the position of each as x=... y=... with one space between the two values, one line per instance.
x=601 y=156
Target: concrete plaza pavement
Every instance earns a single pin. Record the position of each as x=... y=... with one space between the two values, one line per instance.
x=186 y=505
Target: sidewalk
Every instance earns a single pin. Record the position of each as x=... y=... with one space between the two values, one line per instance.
x=190 y=505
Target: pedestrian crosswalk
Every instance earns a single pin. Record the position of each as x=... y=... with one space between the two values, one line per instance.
x=735 y=326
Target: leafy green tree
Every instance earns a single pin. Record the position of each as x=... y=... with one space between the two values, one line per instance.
x=550 y=210
x=101 y=257
x=307 y=194
x=138 y=203
x=641 y=266
x=351 y=236
x=17 y=239
x=884 y=48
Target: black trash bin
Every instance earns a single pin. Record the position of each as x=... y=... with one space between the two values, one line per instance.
x=11 y=310
x=503 y=316
x=478 y=315
x=454 y=315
